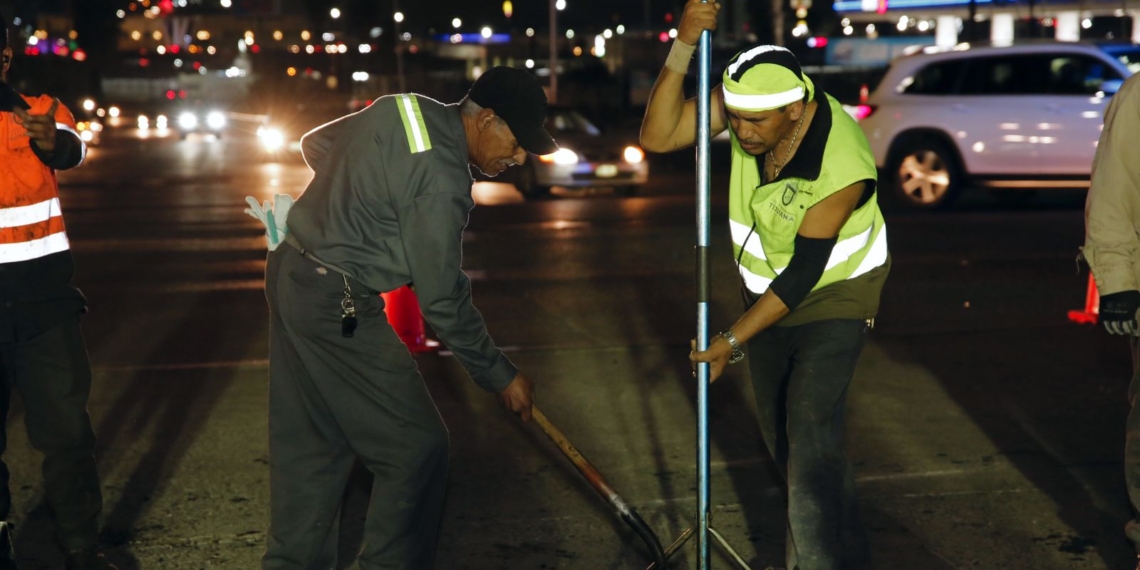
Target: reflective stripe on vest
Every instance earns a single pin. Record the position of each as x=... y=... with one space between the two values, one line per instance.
x=29 y=232
x=875 y=257
x=414 y=127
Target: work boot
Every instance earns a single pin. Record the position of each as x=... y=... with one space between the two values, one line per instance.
x=7 y=553
x=87 y=559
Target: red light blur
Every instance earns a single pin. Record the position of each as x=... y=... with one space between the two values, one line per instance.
x=664 y=37
x=175 y=49
x=182 y=94
x=79 y=55
x=817 y=42
x=170 y=95
x=197 y=65
x=668 y=17
x=31 y=51
x=863 y=111
x=255 y=48
x=143 y=62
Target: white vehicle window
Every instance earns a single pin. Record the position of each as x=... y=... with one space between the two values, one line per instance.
x=1078 y=74
x=570 y=122
x=1007 y=75
x=939 y=78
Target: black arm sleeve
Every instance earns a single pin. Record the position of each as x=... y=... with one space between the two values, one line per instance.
x=68 y=151
x=804 y=270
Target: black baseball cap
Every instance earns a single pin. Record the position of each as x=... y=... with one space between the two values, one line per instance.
x=516 y=96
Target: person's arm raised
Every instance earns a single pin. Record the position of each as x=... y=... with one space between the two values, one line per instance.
x=670 y=121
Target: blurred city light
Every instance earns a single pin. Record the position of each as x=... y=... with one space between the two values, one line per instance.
x=203 y=35
x=334 y=13
x=305 y=35
x=608 y=33
x=33 y=41
x=328 y=36
x=530 y=64
x=456 y=22
x=113 y=111
x=292 y=71
x=530 y=32
x=570 y=34
x=88 y=104
x=620 y=29
x=161 y=50
x=365 y=48
x=360 y=76
x=227 y=3
x=633 y=155
x=485 y=32
x=375 y=32
x=278 y=35
x=673 y=33
x=560 y=5
x=508 y=8
x=398 y=16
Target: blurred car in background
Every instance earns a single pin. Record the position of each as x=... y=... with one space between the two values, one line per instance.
x=200 y=119
x=1011 y=119
x=586 y=158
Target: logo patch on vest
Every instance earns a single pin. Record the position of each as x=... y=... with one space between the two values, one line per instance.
x=789 y=194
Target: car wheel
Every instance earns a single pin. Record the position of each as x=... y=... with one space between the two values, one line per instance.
x=527 y=183
x=926 y=173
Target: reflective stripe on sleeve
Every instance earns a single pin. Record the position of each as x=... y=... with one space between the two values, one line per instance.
x=82 y=145
x=414 y=127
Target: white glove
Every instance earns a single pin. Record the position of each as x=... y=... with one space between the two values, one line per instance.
x=273 y=218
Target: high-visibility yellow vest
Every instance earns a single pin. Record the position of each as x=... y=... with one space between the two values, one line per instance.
x=765 y=218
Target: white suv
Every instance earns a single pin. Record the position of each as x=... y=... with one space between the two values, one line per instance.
x=1023 y=116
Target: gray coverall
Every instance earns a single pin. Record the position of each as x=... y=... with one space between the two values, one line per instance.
x=387 y=206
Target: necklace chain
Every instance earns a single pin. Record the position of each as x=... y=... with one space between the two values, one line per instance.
x=787 y=154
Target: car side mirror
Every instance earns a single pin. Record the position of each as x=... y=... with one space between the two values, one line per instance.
x=1111 y=86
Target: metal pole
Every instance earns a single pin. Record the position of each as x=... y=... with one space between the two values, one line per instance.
x=401 y=83
x=703 y=296
x=553 y=52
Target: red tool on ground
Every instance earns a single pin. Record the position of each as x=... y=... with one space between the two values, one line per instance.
x=1090 y=315
x=403 y=310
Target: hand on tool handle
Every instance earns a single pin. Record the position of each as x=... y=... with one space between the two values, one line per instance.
x=717 y=356
x=518 y=396
x=698 y=17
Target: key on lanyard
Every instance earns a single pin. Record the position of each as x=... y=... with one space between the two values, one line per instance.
x=348 y=312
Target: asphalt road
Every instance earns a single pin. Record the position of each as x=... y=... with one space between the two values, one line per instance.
x=986 y=430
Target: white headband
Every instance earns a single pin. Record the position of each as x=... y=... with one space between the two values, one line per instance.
x=762 y=102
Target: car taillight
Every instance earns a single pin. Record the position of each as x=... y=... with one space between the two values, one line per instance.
x=863 y=111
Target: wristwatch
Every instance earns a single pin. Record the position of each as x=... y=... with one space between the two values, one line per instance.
x=737 y=354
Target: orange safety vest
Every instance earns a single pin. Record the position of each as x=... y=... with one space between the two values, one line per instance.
x=31 y=220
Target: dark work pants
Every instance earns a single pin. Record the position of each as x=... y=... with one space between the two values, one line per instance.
x=332 y=400
x=1132 y=447
x=800 y=375
x=53 y=376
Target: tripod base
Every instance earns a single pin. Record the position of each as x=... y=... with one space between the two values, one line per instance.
x=720 y=540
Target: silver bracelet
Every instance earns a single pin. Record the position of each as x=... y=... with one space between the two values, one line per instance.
x=737 y=354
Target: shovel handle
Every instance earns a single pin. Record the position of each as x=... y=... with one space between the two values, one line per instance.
x=594 y=477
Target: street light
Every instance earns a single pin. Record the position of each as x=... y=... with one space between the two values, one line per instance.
x=456 y=22
x=560 y=5
x=398 y=16
x=486 y=32
x=335 y=13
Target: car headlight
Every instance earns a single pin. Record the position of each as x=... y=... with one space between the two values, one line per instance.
x=160 y=122
x=561 y=156
x=633 y=155
x=144 y=123
x=216 y=120
x=187 y=121
x=87 y=136
x=272 y=139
